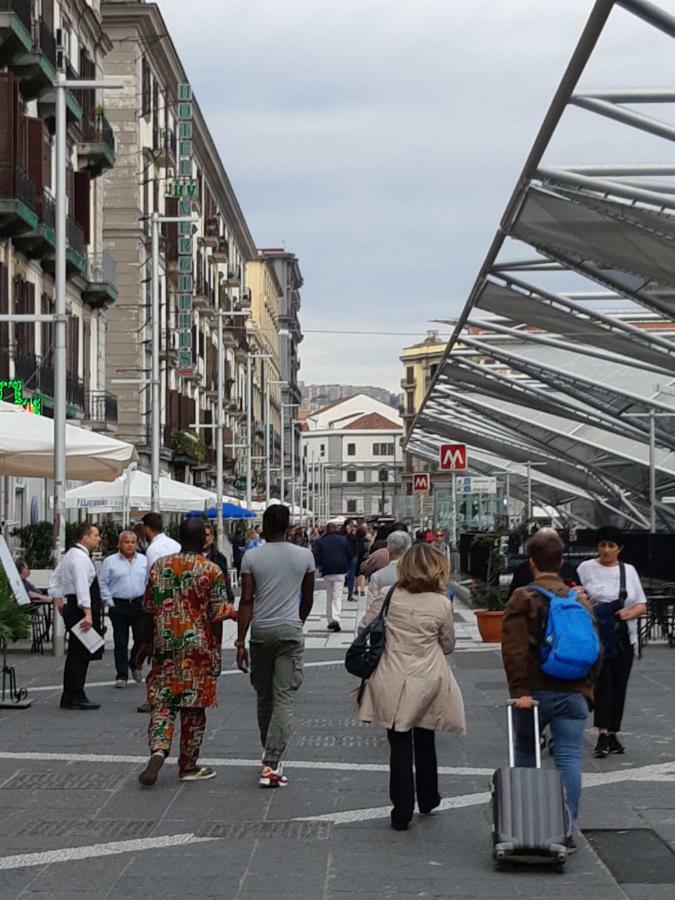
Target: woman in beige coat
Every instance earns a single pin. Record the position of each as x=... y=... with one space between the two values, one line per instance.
x=413 y=692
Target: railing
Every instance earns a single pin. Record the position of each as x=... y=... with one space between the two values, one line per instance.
x=100 y=130
x=24 y=188
x=48 y=212
x=45 y=41
x=74 y=390
x=38 y=375
x=22 y=8
x=101 y=406
x=168 y=141
x=102 y=269
x=75 y=237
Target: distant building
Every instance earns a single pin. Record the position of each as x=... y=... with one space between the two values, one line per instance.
x=316 y=396
x=351 y=458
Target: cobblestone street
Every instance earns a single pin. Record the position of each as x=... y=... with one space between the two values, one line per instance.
x=75 y=821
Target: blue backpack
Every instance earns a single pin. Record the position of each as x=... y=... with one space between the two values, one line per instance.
x=570 y=646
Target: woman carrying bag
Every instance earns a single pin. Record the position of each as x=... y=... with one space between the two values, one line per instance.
x=412 y=692
x=616 y=593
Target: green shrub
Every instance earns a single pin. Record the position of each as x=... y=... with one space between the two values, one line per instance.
x=14 y=620
x=37 y=542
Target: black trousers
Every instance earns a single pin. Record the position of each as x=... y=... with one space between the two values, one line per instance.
x=77 y=658
x=126 y=615
x=408 y=747
x=610 y=691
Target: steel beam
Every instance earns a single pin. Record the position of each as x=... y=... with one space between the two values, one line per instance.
x=604 y=186
x=624 y=116
x=650 y=13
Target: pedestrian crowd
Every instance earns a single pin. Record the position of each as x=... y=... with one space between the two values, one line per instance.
x=173 y=599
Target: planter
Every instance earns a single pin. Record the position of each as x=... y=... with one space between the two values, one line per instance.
x=490 y=625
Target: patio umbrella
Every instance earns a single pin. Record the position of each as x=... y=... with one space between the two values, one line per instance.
x=230 y=511
x=27 y=448
x=132 y=491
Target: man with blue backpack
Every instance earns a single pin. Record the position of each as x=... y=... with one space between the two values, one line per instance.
x=551 y=654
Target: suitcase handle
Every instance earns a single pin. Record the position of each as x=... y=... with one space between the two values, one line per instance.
x=537 y=747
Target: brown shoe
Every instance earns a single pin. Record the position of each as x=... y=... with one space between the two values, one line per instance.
x=148 y=776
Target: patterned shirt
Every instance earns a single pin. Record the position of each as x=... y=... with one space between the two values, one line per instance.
x=185 y=594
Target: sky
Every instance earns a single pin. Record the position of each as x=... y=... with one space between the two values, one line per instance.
x=380 y=141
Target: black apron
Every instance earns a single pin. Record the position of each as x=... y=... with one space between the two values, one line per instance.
x=97 y=618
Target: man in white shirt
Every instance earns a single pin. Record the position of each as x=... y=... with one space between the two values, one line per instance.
x=122 y=578
x=159 y=543
x=74 y=581
x=398 y=543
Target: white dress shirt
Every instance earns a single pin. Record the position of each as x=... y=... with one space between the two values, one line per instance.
x=161 y=545
x=122 y=578
x=73 y=575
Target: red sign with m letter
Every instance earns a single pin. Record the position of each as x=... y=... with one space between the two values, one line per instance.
x=453 y=457
x=421 y=483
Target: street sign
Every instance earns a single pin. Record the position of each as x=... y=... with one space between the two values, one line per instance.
x=453 y=457
x=421 y=483
x=476 y=485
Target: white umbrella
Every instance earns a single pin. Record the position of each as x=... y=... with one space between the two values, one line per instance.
x=27 y=448
x=132 y=491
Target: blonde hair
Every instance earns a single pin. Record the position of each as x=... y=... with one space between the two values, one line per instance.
x=423 y=569
x=251 y=534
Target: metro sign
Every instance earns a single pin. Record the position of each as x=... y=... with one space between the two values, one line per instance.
x=421 y=483
x=453 y=457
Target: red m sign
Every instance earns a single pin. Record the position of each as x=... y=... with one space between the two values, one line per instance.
x=453 y=457
x=421 y=483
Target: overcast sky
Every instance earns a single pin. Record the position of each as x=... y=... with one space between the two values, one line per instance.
x=379 y=140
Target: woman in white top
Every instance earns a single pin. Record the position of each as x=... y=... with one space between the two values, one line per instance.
x=619 y=601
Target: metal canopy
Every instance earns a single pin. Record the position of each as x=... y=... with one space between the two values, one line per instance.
x=553 y=378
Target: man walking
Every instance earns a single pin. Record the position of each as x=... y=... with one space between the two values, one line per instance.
x=159 y=543
x=74 y=581
x=333 y=555
x=562 y=704
x=277 y=591
x=122 y=577
x=398 y=543
x=185 y=604
x=213 y=554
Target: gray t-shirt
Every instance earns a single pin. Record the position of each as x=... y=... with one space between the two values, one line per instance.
x=278 y=569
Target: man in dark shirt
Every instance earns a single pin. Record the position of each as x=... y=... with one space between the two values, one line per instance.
x=522 y=575
x=212 y=553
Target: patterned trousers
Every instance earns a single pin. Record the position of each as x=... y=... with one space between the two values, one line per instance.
x=192 y=726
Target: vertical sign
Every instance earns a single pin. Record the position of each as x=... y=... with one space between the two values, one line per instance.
x=184 y=188
x=452 y=457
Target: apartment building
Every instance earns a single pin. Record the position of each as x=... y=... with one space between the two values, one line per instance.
x=151 y=176
x=287 y=268
x=36 y=39
x=351 y=458
x=263 y=340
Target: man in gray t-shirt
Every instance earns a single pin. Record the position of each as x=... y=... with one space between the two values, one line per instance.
x=277 y=592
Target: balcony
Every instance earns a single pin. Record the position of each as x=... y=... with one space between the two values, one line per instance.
x=16 y=37
x=211 y=237
x=36 y=68
x=221 y=252
x=100 y=411
x=233 y=276
x=47 y=103
x=40 y=242
x=38 y=376
x=18 y=214
x=96 y=152
x=76 y=254
x=101 y=289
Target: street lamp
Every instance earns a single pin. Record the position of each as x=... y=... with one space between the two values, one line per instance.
x=269 y=449
x=249 y=423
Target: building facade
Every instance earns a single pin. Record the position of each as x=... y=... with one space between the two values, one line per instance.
x=145 y=118
x=351 y=458
x=287 y=269
x=263 y=339
x=29 y=58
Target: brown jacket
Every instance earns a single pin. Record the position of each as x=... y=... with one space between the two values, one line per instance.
x=413 y=685
x=522 y=631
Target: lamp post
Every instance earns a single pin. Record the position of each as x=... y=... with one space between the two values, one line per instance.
x=283 y=450
x=269 y=444
x=293 y=423
x=249 y=423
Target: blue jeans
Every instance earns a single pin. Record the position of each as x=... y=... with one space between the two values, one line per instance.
x=566 y=714
x=351 y=574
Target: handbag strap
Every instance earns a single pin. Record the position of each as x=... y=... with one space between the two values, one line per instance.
x=623 y=593
x=387 y=601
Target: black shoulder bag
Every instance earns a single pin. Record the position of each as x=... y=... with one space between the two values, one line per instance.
x=613 y=632
x=366 y=650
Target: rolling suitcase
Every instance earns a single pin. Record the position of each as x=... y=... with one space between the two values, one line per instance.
x=530 y=817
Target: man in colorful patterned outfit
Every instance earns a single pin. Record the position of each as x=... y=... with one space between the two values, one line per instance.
x=185 y=604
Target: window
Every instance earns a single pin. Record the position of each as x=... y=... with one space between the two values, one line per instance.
x=351 y=506
x=376 y=449
x=410 y=401
x=390 y=449
x=146 y=89
x=351 y=475
x=351 y=449
x=410 y=375
x=383 y=449
x=304 y=451
x=322 y=450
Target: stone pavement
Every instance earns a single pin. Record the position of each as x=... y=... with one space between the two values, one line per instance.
x=74 y=821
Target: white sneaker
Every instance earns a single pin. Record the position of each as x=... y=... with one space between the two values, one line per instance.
x=121 y=683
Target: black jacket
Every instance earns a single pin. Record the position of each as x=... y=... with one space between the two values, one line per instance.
x=221 y=561
x=522 y=576
x=333 y=554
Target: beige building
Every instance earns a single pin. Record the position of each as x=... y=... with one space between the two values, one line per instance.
x=29 y=57
x=145 y=118
x=263 y=340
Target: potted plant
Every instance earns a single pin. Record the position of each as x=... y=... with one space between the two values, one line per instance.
x=188 y=447
x=14 y=620
x=37 y=544
x=489 y=596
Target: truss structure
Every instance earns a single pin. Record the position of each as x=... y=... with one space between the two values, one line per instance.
x=536 y=374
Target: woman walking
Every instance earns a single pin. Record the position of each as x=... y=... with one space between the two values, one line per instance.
x=413 y=692
x=615 y=590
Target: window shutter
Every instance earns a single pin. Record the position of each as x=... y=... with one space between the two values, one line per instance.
x=86 y=333
x=73 y=346
x=82 y=203
x=35 y=141
x=4 y=326
x=48 y=13
x=8 y=134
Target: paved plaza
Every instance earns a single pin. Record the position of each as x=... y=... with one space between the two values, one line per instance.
x=74 y=820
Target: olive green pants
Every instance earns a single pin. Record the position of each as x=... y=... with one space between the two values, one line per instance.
x=276 y=674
